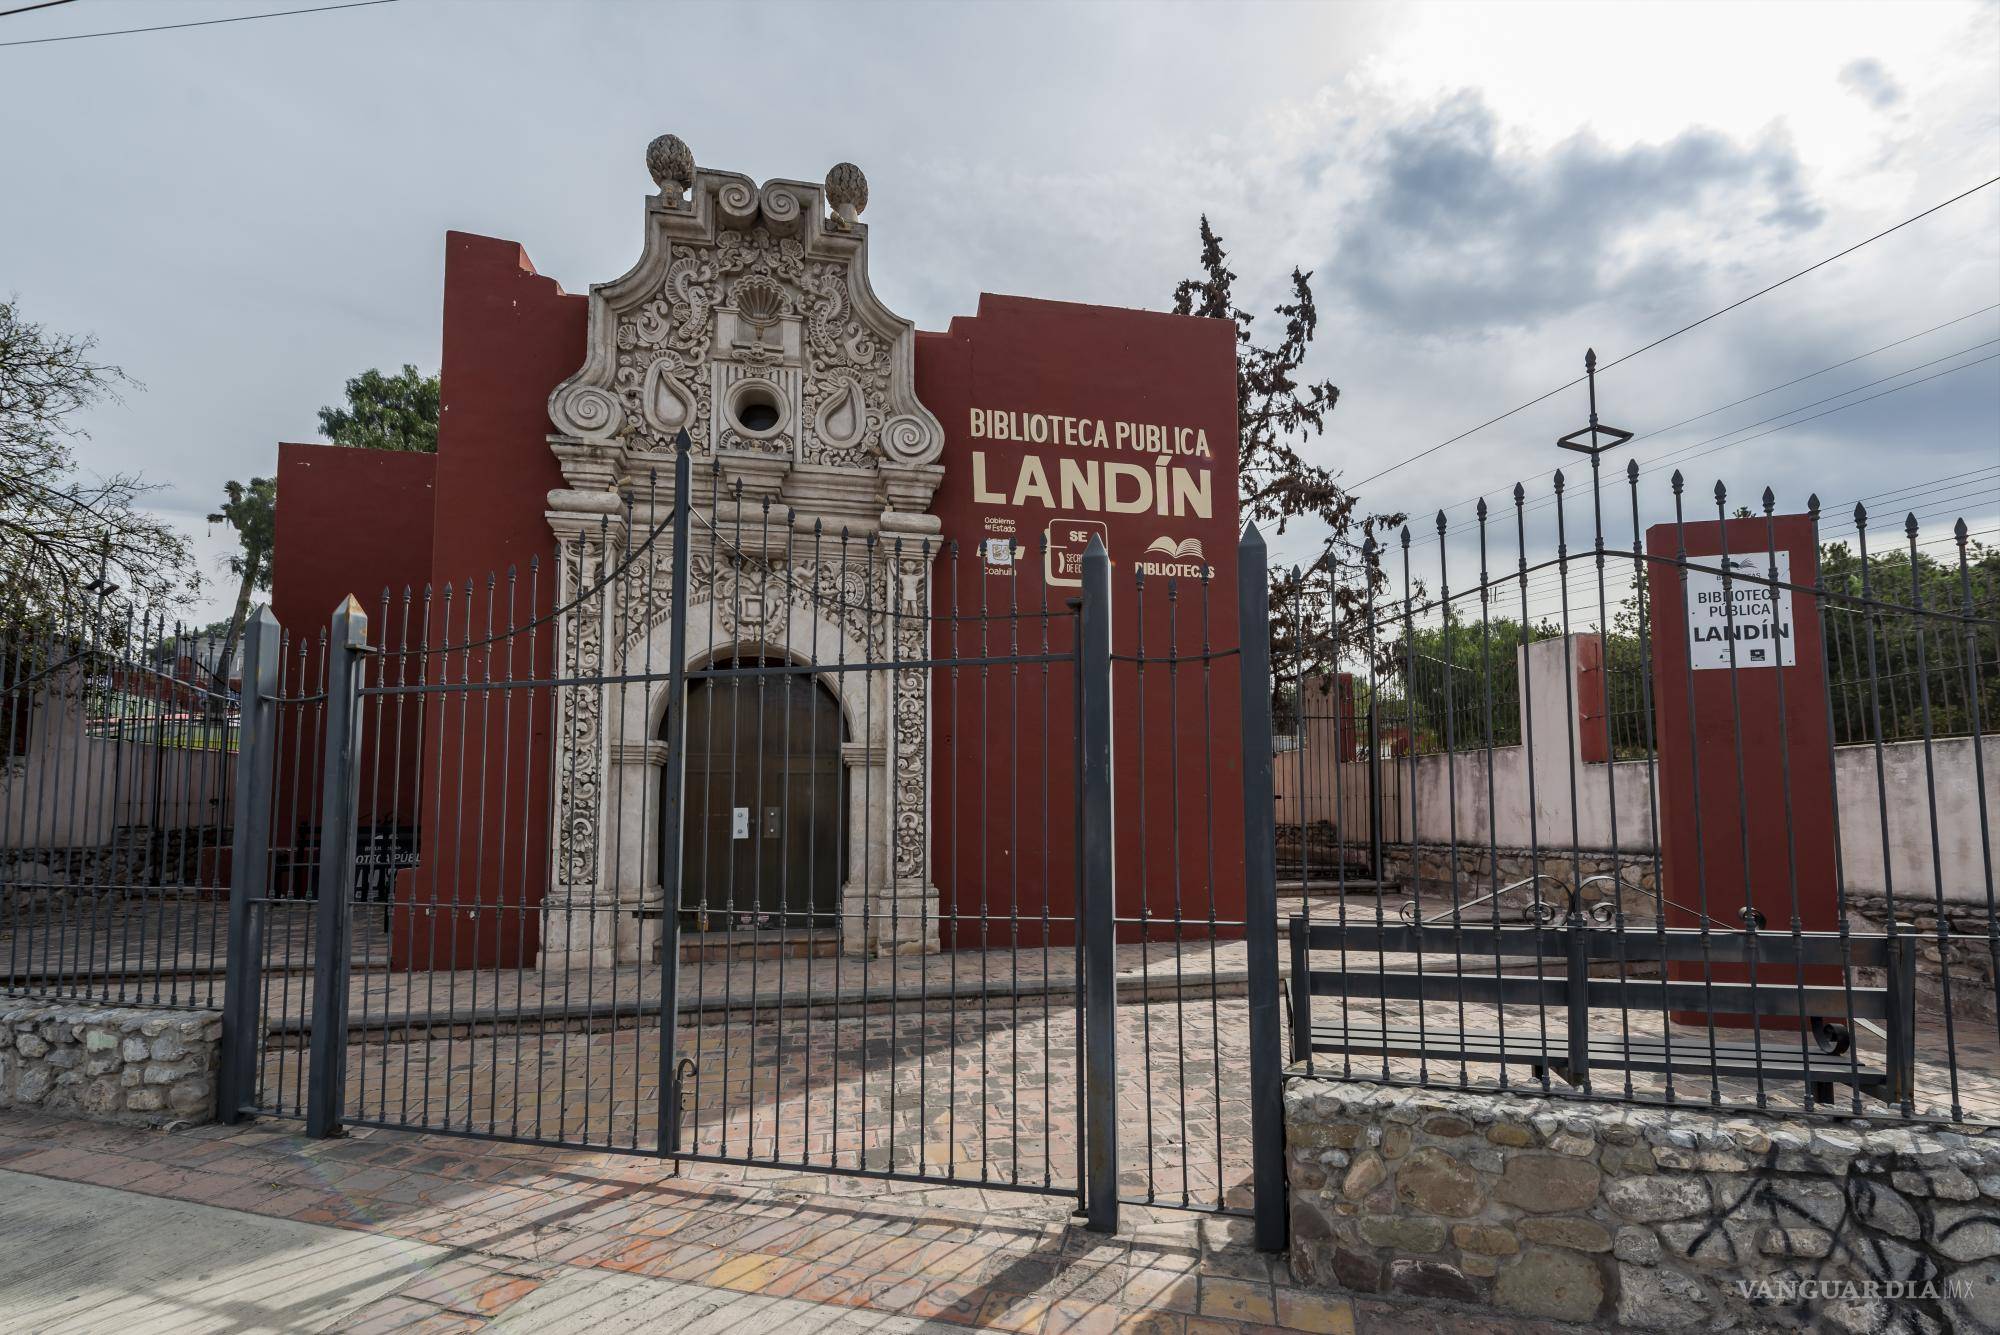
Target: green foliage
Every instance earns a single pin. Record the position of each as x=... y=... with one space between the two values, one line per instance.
x=1912 y=638
x=1912 y=649
x=67 y=537
x=398 y=412
x=253 y=512
x=1451 y=680
x=1277 y=414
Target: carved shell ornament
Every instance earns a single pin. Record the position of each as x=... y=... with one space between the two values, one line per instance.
x=760 y=300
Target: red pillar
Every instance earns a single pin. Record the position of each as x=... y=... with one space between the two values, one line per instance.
x=1745 y=761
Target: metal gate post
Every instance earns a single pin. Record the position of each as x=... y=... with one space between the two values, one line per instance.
x=1374 y=791
x=1260 y=894
x=249 y=865
x=1097 y=914
x=671 y=835
x=340 y=792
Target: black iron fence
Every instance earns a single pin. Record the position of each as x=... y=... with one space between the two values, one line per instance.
x=732 y=836
x=1699 y=810
x=118 y=754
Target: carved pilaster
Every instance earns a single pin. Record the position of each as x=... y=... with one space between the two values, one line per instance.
x=586 y=544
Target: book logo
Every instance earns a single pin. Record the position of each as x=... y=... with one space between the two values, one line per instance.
x=1188 y=549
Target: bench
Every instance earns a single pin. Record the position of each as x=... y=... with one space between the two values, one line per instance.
x=1831 y=1012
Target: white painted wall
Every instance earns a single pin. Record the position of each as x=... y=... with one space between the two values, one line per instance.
x=1476 y=799
x=71 y=790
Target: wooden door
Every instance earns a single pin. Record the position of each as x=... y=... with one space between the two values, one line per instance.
x=765 y=839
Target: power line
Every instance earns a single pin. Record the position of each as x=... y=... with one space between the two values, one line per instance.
x=1741 y=301
x=1687 y=421
x=199 y=23
x=1748 y=398
x=1964 y=366
x=1657 y=462
x=40 y=4
x=1925 y=499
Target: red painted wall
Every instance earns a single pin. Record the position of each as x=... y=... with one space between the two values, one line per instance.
x=510 y=337
x=475 y=548
x=348 y=522
x=1778 y=820
x=1003 y=787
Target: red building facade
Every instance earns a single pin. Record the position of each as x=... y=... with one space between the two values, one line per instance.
x=979 y=461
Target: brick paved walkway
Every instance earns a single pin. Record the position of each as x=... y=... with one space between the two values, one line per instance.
x=521 y=1232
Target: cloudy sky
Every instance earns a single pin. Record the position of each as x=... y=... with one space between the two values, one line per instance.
x=247 y=214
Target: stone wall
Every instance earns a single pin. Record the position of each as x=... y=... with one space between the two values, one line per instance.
x=1431 y=867
x=1967 y=945
x=1659 y=1219
x=111 y=1064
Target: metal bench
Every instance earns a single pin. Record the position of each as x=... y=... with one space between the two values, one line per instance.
x=1821 y=1052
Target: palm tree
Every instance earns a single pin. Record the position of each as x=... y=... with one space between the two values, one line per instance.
x=252 y=512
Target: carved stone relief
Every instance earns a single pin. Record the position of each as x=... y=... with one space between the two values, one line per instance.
x=749 y=323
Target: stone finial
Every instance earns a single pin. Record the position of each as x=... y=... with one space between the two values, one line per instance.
x=846 y=192
x=671 y=162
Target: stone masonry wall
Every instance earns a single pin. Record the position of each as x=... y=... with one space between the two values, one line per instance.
x=1968 y=946
x=1654 y=1218
x=1432 y=866
x=112 y=1064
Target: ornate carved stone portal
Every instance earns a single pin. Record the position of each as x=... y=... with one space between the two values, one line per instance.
x=749 y=322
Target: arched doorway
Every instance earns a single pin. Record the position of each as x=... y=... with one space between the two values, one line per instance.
x=766 y=812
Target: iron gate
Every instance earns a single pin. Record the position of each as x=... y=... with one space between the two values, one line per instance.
x=675 y=963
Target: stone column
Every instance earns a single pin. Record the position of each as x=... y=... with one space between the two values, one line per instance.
x=589 y=528
x=864 y=907
x=633 y=837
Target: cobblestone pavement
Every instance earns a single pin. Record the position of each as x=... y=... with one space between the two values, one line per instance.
x=524 y=1238
x=1020 y=995
x=986 y=1094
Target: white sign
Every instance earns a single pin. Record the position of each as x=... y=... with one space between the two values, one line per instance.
x=1760 y=629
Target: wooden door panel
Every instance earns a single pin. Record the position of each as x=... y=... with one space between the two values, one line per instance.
x=765 y=743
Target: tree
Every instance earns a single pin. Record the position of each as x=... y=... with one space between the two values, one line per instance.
x=252 y=512
x=1277 y=414
x=398 y=412
x=68 y=539
x=1455 y=682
